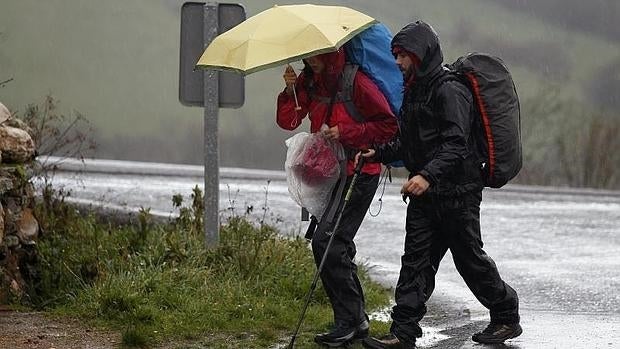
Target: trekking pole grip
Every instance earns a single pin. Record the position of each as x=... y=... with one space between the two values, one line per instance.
x=358 y=170
x=360 y=164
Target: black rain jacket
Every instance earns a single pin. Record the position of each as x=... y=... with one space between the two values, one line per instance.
x=435 y=138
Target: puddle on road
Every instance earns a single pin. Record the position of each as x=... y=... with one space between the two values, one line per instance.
x=431 y=335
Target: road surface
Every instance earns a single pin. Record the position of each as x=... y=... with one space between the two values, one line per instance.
x=557 y=247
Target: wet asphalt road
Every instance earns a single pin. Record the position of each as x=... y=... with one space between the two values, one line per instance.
x=558 y=248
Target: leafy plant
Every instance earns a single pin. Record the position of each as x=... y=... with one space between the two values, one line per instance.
x=245 y=293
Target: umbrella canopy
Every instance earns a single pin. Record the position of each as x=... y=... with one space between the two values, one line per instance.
x=283 y=34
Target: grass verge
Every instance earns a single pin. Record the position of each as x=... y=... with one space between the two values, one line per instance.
x=160 y=285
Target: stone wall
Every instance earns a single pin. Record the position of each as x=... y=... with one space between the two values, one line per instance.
x=19 y=228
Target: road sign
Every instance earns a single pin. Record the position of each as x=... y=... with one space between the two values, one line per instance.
x=231 y=86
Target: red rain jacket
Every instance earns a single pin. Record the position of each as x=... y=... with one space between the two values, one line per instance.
x=380 y=124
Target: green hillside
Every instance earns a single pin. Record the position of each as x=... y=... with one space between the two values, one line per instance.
x=116 y=62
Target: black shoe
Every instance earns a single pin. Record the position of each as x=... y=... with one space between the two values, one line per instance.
x=386 y=342
x=497 y=333
x=342 y=335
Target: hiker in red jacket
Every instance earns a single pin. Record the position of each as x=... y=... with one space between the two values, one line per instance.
x=320 y=94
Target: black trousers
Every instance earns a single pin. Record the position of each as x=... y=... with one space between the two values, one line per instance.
x=434 y=225
x=339 y=274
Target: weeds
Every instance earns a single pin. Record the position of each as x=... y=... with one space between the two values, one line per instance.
x=56 y=133
x=160 y=283
x=578 y=144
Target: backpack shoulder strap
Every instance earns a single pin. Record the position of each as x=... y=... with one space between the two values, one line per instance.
x=450 y=76
x=348 y=80
x=345 y=95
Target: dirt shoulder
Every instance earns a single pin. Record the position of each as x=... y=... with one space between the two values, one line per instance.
x=34 y=330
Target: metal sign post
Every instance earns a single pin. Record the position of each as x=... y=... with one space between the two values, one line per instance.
x=211 y=141
x=200 y=24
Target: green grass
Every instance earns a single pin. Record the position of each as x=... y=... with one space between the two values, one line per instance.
x=159 y=284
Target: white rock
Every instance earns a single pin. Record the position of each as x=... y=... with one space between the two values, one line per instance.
x=16 y=145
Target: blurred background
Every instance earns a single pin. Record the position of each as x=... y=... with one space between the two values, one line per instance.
x=116 y=63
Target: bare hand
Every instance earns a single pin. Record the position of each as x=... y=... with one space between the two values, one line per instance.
x=417 y=185
x=332 y=133
x=290 y=77
x=368 y=153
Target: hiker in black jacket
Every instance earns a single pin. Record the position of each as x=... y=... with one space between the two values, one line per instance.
x=444 y=191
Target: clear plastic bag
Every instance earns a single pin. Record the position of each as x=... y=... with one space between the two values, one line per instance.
x=313 y=166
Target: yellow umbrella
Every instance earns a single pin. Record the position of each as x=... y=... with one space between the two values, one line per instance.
x=283 y=34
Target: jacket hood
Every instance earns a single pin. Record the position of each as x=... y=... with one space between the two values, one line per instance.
x=421 y=39
x=334 y=62
x=334 y=65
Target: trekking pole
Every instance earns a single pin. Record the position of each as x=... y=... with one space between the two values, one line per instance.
x=358 y=169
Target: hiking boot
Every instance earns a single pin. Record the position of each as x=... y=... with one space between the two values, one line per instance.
x=342 y=335
x=497 y=333
x=386 y=342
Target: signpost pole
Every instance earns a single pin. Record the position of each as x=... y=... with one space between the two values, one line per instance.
x=201 y=23
x=211 y=141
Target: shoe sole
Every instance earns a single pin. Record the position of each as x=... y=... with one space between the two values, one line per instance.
x=338 y=344
x=367 y=345
x=516 y=334
x=344 y=343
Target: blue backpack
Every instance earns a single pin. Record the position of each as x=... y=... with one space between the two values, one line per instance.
x=371 y=51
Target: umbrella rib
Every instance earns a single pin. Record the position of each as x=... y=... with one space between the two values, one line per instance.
x=307 y=28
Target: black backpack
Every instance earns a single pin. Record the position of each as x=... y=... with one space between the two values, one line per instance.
x=498 y=126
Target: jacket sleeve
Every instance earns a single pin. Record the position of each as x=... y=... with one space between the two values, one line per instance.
x=453 y=109
x=380 y=124
x=387 y=153
x=287 y=117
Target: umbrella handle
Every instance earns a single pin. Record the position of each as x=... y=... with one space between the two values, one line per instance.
x=297 y=107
